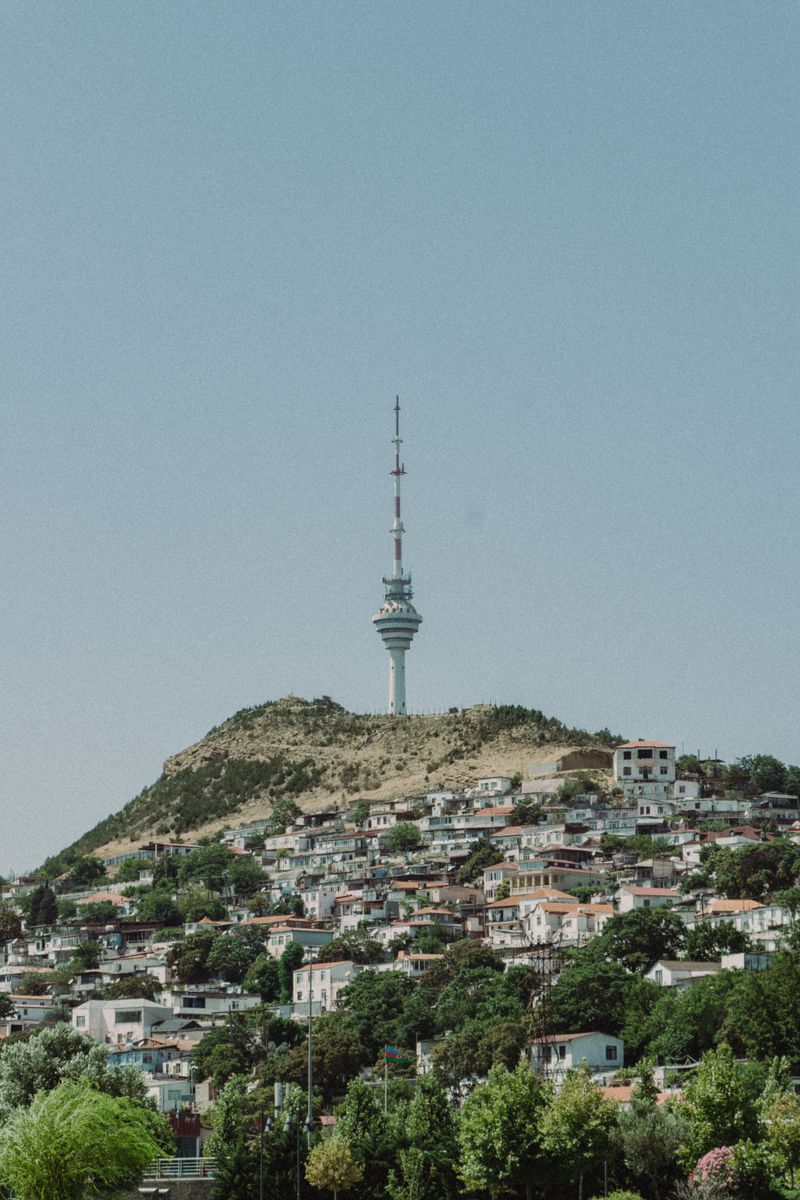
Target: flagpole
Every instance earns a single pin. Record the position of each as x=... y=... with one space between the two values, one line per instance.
x=385 y=1084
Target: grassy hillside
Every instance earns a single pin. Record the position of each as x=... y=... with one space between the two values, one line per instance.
x=318 y=753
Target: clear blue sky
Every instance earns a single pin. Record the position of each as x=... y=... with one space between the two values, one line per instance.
x=566 y=234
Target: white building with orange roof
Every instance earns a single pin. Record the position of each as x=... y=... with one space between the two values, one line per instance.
x=765 y=924
x=629 y=896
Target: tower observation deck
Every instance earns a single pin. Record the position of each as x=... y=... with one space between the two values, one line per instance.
x=397 y=620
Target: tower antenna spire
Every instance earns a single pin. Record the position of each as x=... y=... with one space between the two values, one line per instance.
x=397 y=620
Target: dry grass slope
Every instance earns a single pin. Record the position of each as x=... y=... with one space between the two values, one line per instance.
x=320 y=754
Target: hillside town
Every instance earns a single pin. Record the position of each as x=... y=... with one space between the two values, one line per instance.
x=198 y=963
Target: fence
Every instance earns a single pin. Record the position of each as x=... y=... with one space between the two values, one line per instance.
x=181 y=1168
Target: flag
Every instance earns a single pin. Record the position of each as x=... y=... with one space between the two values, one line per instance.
x=396 y=1056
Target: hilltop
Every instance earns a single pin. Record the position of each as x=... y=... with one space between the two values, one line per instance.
x=318 y=753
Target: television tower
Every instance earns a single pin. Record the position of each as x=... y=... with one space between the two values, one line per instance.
x=397 y=620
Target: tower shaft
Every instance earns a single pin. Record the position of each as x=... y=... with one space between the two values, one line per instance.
x=397 y=620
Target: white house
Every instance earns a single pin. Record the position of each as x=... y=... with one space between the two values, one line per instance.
x=681 y=974
x=115 y=1022
x=645 y=768
x=558 y=1053
x=325 y=980
x=495 y=875
x=628 y=897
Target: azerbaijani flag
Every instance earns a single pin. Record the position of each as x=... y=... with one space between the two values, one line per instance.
x=391 y=1054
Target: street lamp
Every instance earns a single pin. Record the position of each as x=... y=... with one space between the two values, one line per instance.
x=288 y=1125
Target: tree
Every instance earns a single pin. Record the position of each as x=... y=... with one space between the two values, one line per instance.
x=639 y=938
x=198 y=902
x=245 y=876
x=336 y=1052
x=526 y=812
x=136 y=986
x=86 y=956
x=208 y=865
x=355 y=945
x=284 y=813
x=579 y=785
x=10 y=924
x=706 y=943
x=188 y=959
x=363 y=1126
x=159 y=905
x=35 y=983
x=225 y=1051
x=498 y=1135
x=425 y=1169
x=232 y=954
x=578 y=1125
x=288 y=963
x=781 y=1123
x=403 y=836
x=237 y=1171
x=651 y=1137
x=375 y=1006
x=767 y=774
x=75 y=1142
x=716 y=1107
x=40 y=905
x=129 y=870
x=263 y=976
x=590 y=994
x=84 y=873
x=99 y=912
x=359 y=813
x=332 y=1168
x=484 y=855
x=57 y=1053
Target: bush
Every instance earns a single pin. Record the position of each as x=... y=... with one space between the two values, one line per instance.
x=620 y=1194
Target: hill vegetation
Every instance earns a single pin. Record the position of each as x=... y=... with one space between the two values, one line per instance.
x=317 y=753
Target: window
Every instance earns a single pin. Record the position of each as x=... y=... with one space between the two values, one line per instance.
x=626 y=754
x=626 y=770
x=665 y=770
x=562 y=1051
x=127 y=1016
x=194 y=1001
x=80 y=1022
x=611 y=1053
x=644 y=753
x=662 y=754
x=659 y=976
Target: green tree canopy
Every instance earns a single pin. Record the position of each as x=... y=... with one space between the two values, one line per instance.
x=233 y=953
x=332 y=1168
x=74 y=1143
x=355 y=944
x=499 y=1136
x=263 y=977
x=158 y=905
x=403 y=836
x=639 y=938
x=57 y=1053
x=189 y=957
x=715 y=1106
x=578 y=1126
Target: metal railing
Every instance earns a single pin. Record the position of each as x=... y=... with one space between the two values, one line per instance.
x=182 y=1168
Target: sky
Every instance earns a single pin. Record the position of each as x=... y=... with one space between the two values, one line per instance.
x=565 y=234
